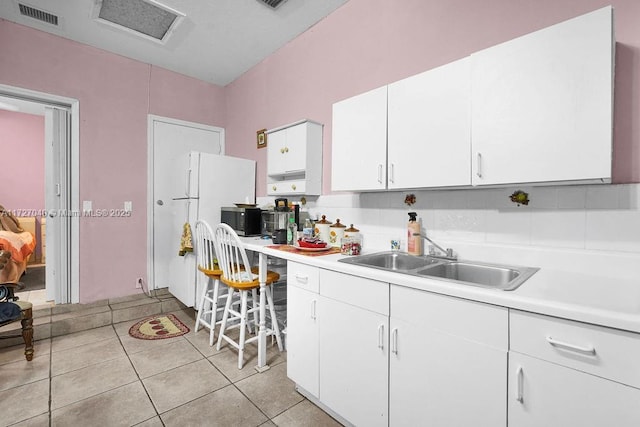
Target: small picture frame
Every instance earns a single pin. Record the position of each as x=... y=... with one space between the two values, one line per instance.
x=262 y=138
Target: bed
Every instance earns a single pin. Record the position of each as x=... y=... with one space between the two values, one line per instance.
x=21 y=244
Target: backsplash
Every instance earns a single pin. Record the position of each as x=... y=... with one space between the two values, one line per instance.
x=593 y=225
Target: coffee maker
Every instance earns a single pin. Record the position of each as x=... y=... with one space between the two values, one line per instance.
x=274 y=223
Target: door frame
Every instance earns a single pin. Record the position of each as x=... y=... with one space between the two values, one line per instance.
x=70 y=253
x=151 y=119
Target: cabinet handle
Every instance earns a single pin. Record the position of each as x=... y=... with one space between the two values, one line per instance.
x=313 y=309
x=479 y=164
x=274 y=188
x=392 y=173
x=520 y=386
x=286 y=149
x=590 y=350
x=302 y=279
x=381 y=337
x=394 y=341
x=293 y=186
x=380 y=173
x=282 y=151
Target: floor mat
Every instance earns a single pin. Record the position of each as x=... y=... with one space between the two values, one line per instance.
x=158 y=327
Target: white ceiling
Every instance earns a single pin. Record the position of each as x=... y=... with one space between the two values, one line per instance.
x=217 y=41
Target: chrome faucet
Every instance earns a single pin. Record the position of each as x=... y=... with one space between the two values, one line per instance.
x=445 y=253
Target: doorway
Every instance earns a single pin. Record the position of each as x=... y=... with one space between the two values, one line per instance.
x=60 y=146
x=168 y=140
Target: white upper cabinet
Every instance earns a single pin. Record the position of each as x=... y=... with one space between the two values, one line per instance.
x=542 y=105
x=359 y=142
x=429 y=128
x=294 y=159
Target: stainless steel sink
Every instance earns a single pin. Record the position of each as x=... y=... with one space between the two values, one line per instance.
x=493 y=276
x=392 y=261
x=503 y=277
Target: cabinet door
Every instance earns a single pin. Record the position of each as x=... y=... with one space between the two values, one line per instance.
x=437 y=376
x=429 y=136
x=546 y=394
x=302 y=338
x=296 y=148
x=354 y=362
x=542 y=105
x=276 y=154
x=359 y=142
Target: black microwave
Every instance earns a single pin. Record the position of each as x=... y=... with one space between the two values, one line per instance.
x=245 y=221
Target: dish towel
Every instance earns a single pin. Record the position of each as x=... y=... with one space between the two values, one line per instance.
x=186 y=241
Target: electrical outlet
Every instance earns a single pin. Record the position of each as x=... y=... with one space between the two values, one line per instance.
x=139 y=283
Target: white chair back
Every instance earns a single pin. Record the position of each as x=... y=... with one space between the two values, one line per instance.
x=205 y=246
x=232 y=256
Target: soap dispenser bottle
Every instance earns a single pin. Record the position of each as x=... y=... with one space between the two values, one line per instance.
x=414 y=240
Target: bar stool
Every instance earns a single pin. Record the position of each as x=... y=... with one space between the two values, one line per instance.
x=208 y=306
x=233 y=261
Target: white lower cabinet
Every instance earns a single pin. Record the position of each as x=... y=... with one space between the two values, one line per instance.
x=354 y=337
x=448 y=361
x=567 y=373
x=354 y=362
x=302 y=326
x=545 y=394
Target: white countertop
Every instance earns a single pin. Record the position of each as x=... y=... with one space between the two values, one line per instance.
x=587 y=298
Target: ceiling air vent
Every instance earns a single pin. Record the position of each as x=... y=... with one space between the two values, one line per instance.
x=146 y=18
x=272 y=3
x=40 y=15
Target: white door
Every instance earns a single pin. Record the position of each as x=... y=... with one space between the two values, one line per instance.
x=429 y=129
x=168 y=140
x=354 y=362
x=438 y=379
x=302 y=338
x=57 y=201
x=542 y=104
x=359 y=147
x=545 y=394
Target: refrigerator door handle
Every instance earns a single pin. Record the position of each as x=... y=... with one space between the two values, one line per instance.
x=187 y=186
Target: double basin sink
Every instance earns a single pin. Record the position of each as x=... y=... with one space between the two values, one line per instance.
x=502 y=277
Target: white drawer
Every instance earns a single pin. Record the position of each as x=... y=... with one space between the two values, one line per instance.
x=475 y=321
x=297 y=186
x=303 y=276
x=360 y=292
x=608 y=353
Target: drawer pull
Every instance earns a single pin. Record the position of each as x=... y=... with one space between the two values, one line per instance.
x=302 y=279
x=520 y=387
x=590 y=350
x=381 y=337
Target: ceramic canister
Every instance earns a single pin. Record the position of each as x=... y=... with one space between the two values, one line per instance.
x=322 y=229
x=336 y=232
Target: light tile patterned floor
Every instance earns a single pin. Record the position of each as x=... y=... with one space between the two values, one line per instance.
x=105 y=377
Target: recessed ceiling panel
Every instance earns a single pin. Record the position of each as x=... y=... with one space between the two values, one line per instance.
x=146 y=17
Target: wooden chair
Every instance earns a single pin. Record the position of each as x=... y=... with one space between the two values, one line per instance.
x=7 y=290
x=207 y=264
x=238 y=275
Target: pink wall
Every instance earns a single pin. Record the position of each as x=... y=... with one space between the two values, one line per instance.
x=363 y=45
x=22 y=161
x=369 y=43
x=115 y=95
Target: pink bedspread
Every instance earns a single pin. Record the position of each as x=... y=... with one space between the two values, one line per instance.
x=21 y=245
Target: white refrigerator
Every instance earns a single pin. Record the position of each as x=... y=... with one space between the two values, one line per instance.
x=203 y=184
